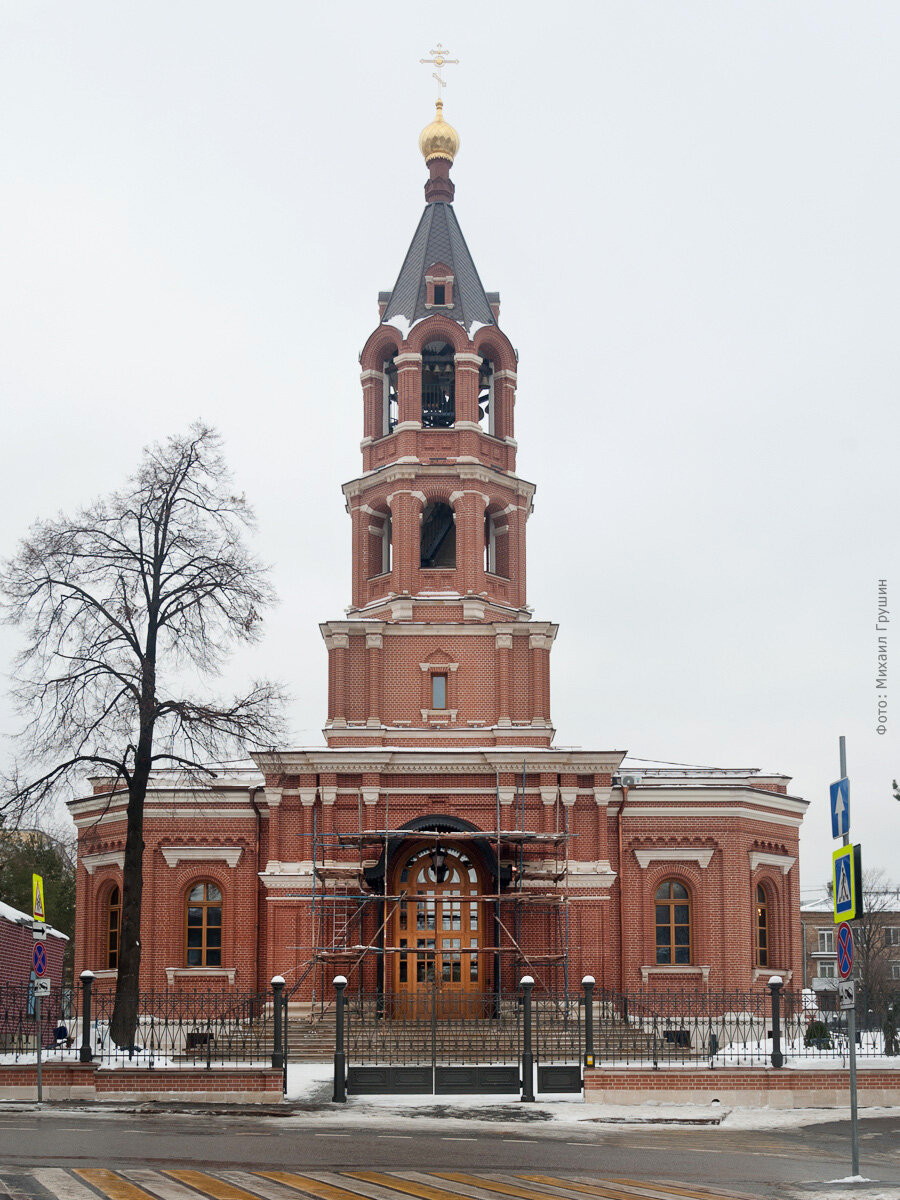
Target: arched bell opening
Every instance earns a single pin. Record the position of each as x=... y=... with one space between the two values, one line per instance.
x=438 y=537
x=438 y=386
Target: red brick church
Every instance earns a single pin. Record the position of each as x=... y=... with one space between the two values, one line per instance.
x=439 y=839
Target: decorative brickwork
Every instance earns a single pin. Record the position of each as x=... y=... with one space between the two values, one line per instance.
x=439 y=735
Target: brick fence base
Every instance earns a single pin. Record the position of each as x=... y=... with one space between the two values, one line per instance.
x=750 y=1087
x=85 y=1081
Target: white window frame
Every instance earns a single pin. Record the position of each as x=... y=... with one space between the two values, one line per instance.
x=828 y=969
x=386 y=531
x=826 y=941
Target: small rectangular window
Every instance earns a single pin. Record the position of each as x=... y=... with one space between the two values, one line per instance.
x=895 y=971
x=826 y=941
x=828 y=970
x=439 y=691
x=892 y=936
x=440 y=293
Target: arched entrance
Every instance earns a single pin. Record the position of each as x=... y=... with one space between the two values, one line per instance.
x=438 y=930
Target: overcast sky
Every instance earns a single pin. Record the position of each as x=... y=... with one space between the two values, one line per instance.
x=690 y=211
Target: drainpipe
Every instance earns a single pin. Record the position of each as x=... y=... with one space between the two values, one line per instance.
x=621 y=892
x=251 y=793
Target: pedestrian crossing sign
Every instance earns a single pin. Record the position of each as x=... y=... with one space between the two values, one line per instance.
x=847 y=884
x=37 y=896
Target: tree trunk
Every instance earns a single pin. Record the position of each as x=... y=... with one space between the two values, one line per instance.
x=125 y=1011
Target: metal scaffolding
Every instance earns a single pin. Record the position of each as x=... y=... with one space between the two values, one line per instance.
x=530 y=881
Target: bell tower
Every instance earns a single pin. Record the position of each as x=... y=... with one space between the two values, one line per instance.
x=438 y=645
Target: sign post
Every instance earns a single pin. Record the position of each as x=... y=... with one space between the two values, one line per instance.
x=847 y=877
x=41 y=988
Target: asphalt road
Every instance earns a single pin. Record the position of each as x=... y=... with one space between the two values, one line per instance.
x=773 y=1163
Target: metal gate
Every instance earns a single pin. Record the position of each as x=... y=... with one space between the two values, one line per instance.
x=439 y=1044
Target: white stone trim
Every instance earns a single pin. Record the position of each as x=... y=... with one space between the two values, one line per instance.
x=748 y=814
x=173 y=973
x=109 y=858
x=646 y=972
x=700 y=855
x=602 y=796
x=761 y=972
x=439 y=667
x=231 y=855
x=370 y=795
x=760 y=859
x=597 y=874
x=568 y=795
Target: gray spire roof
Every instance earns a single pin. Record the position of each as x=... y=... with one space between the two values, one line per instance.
x=438 y=239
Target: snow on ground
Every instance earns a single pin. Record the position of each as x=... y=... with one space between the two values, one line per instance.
x=312 y=1083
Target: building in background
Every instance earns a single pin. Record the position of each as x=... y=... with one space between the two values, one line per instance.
x=440 y=840
x=17 y=947
x=876 y=949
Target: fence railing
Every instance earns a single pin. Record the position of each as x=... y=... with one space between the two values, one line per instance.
x=173 y=1029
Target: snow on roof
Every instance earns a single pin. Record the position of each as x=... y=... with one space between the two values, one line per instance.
x=19 y=918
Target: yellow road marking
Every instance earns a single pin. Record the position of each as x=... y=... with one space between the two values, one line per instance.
x=311 y=1187
x=110 y=1183
x=421 y=1190
x=211 y=1186
x=608 y=1188
x=672 y=1189
x=494 y=1185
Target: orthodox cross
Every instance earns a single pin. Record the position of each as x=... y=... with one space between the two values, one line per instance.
x=439 y=59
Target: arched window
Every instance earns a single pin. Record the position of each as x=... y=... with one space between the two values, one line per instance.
x=673 y=923
x=113 y=926
x=203 y=926
x=762 y=927
x=486 y=396
x=438 y=386
x=389 y=397
x=379 y=544
x=438 y=542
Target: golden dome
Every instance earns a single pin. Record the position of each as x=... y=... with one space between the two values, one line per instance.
x=439 y=140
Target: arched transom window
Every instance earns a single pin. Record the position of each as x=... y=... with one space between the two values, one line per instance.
x=673 y=923
x=203 y=926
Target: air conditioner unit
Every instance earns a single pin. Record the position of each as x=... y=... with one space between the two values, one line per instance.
x=630 y=781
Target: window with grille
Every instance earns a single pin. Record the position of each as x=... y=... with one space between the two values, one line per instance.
x=203 y=926
x=673 y=923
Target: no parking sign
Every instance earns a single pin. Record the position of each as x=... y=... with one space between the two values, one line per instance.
x=39 y=959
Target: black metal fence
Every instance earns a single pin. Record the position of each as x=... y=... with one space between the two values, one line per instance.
x=659 y=1027
x=174 y=1028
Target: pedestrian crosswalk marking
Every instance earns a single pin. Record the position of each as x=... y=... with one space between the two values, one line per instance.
x=146 y=1184
x=608 y=1190
x=505 y=1189
x=60 y=1183
x=166 y=1189
x=422 y=1191
x=311 y=1187
x=211 y=1186
x=671 y=1189
x=111 y=1184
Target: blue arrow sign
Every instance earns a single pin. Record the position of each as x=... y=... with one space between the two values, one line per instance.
x=840 y=808
x=845 y=950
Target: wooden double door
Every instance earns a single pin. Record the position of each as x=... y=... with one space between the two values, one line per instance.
x=438 y=931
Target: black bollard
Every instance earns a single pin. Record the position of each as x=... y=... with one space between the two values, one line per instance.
x=340 y=1059
x=84 y=1052
x=775 y=985
x=278 y=1015
x=527 y=984
x=588 y=984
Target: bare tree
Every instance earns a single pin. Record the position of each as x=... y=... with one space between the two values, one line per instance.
x=873 y=947
x=126 y=608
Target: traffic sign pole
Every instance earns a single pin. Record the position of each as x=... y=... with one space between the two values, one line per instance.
x=37 y=1019
x=851 y=1012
